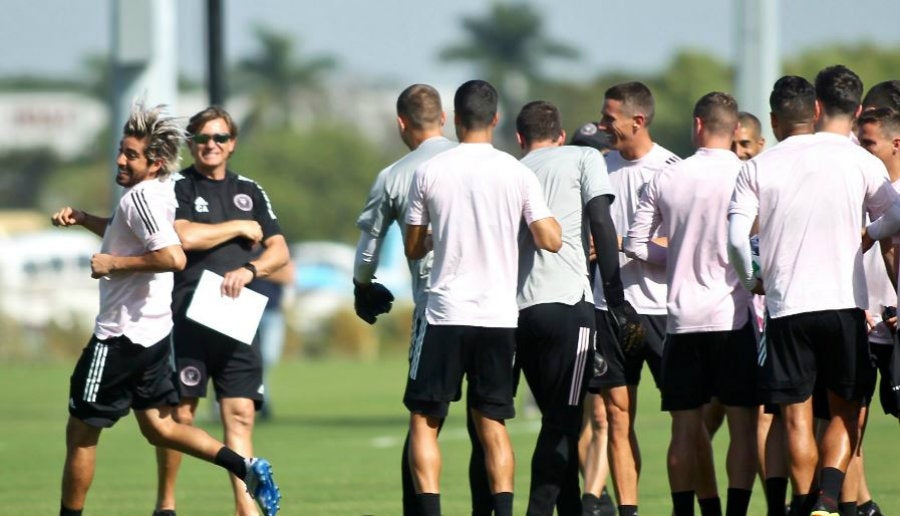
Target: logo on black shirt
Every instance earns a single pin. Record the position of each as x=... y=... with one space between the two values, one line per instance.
x=200 y=205
x=243 y=202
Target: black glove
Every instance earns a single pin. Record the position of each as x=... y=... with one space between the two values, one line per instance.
x=371 y=300
x=628 y=328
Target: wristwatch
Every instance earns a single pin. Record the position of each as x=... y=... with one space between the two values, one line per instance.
x=250 y=267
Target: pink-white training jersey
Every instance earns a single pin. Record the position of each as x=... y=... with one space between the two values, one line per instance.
x=138 y=304
x=475 y=197
x=811 y=193
x=644 y=283
x=688 y=201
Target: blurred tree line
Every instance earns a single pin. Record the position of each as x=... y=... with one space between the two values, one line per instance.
x=318 y=173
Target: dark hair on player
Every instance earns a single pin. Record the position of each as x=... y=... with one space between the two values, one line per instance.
x=749 y=121
x=793 y=100
x=475 y=103
x=839 y=90
x=539 y=120
x=209 y=114
x=887 y=118
x=883 y=95
x=636 y=99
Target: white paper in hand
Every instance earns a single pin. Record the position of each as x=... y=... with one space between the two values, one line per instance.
x=237 y=317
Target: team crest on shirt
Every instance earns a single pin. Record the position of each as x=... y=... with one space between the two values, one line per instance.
x=190 y=376
x=243 y=202
x=200 y=205
x=642 y=189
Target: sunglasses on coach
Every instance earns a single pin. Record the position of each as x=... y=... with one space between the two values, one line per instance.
x=204 y=138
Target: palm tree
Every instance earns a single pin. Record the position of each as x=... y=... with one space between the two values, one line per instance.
x=508 y=47
x=275 y=73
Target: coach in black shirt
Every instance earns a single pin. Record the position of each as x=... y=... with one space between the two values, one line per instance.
x=221 y=219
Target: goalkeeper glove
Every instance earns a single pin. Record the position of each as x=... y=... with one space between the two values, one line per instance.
x=371 y=300
x=628 y=328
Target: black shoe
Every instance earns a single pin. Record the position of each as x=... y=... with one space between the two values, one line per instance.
x=605 y=505
x=869 y=509
x=163 y=512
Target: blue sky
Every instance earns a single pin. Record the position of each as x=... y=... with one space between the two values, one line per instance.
x=398 y=40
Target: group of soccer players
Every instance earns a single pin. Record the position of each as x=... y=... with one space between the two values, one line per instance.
x=502 y=252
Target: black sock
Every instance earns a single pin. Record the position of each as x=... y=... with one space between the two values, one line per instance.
x=589 y=503
x=847 y=508
x=228 y=459
x=163 y=512
x=683 y=503
x=64 y=511
x=738 y=501
x=798 y=504
x=429 y=504
x=776 y=490
x=503 y=504
x=406 y=482
x=830 y=482
x=628 y=510
x=710 y=506
x=479 y=485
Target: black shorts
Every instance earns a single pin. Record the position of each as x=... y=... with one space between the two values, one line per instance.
x=698 y=366
x=621 y=371
x=115 y=375
x=827 y=347
x=883 y=357
x=554 y=350
x=201 y=353
x=447 y=353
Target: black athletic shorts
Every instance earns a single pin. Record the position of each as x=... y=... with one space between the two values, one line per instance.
x=115 y=375
x=445 y=354
x=619 y=370
x=698 y=366
x=883 y=358
x=554 y=350
x=202 y=354
x=829 y=347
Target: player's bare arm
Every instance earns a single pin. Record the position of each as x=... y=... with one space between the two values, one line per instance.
x=274 y=257
x=167 y=259
x=69 y=216
x=547 y=234
x=196 y=236
x=415 y=242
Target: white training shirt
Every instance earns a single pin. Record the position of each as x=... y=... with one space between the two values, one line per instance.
x=689 y=202
x=138 y=304
x=644 y=283
x=570 y=178
x=810 y=192
x=475 y=197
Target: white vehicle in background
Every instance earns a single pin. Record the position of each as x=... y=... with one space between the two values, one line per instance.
x=46 y=277
x=324 y=278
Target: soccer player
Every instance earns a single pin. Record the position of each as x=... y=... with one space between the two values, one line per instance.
x=420 y=120
x=126 y=363
x=556 y=317
x=221 y=219
x=710 y=345
x=475 y=198
x=748 y=140
x=810 y=193
x=593 y=440
x=627 y=113
x=879 y=133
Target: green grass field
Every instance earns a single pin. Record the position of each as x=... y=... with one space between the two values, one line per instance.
x=334 y=443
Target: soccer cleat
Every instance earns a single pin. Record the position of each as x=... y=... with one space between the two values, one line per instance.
x=163 y=512
x=869 y=509
x=821 y=510
x=262 y=487
x=605 y=505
